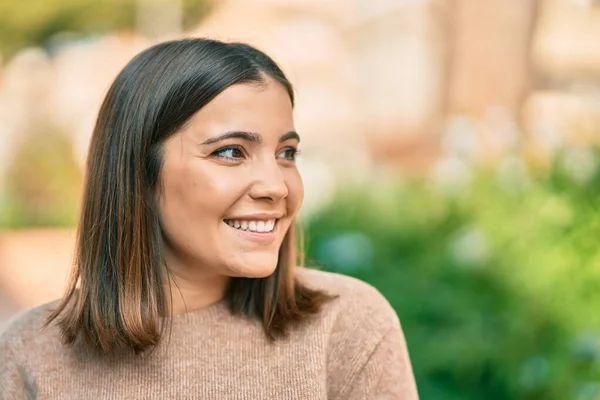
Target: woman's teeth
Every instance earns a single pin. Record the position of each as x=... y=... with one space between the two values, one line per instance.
x=252 y=226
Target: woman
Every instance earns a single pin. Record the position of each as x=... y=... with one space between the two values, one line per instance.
x=185 y=283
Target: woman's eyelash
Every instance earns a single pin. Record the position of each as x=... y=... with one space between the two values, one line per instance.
x=294 y=153
x=235 y=152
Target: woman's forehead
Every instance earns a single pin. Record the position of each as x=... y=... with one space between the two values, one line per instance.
x=263 y=109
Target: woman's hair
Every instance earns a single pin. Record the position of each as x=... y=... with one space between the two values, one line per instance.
x=115 y=298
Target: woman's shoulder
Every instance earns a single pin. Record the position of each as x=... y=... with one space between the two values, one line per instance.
x=365 y=346
x=357 y=304
x=25 y=329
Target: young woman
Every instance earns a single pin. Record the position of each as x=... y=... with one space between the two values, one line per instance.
x=185 y=283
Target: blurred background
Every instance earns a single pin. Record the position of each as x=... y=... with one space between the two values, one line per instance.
x=450 y=156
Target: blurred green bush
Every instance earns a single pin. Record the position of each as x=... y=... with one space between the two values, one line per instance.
x=497 y=285
x=43 y=183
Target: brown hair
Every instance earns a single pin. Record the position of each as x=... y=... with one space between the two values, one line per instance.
x=115 y=298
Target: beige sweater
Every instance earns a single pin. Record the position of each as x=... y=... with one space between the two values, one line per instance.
x=354 y=350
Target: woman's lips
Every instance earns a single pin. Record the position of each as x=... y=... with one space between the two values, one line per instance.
x=263 y=238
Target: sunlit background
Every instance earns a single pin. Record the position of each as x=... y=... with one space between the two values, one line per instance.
x=449 y=155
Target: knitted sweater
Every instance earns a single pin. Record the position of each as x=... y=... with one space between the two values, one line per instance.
x=354 y=349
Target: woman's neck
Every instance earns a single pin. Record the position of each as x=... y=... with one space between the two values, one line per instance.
x=190 y=294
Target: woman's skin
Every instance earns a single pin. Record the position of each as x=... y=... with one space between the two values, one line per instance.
x=209 y=182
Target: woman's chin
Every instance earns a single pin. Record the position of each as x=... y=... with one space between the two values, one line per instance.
x=255 y=269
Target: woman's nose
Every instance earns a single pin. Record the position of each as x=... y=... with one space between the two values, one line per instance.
x=269 y=182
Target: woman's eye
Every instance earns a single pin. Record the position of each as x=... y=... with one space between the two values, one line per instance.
x=231 y=152
x=289 y=153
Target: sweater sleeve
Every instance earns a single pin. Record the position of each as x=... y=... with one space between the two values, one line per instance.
x=15 y=382
x=387 y=373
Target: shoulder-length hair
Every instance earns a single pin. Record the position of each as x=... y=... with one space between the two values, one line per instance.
x=115 y=298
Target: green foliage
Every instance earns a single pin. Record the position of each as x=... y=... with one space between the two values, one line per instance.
x=43 y=183
x=498 y=289
x=33 y=22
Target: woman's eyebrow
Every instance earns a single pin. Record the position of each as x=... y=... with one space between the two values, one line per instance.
x=288 y=136
x=248 y=136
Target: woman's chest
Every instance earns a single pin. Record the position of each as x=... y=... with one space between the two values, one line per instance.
x=201 y=371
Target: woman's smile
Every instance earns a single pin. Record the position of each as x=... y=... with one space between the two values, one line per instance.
x=263 y=232
x=260 y=228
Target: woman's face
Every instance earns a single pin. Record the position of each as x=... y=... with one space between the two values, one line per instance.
x=230 y=186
